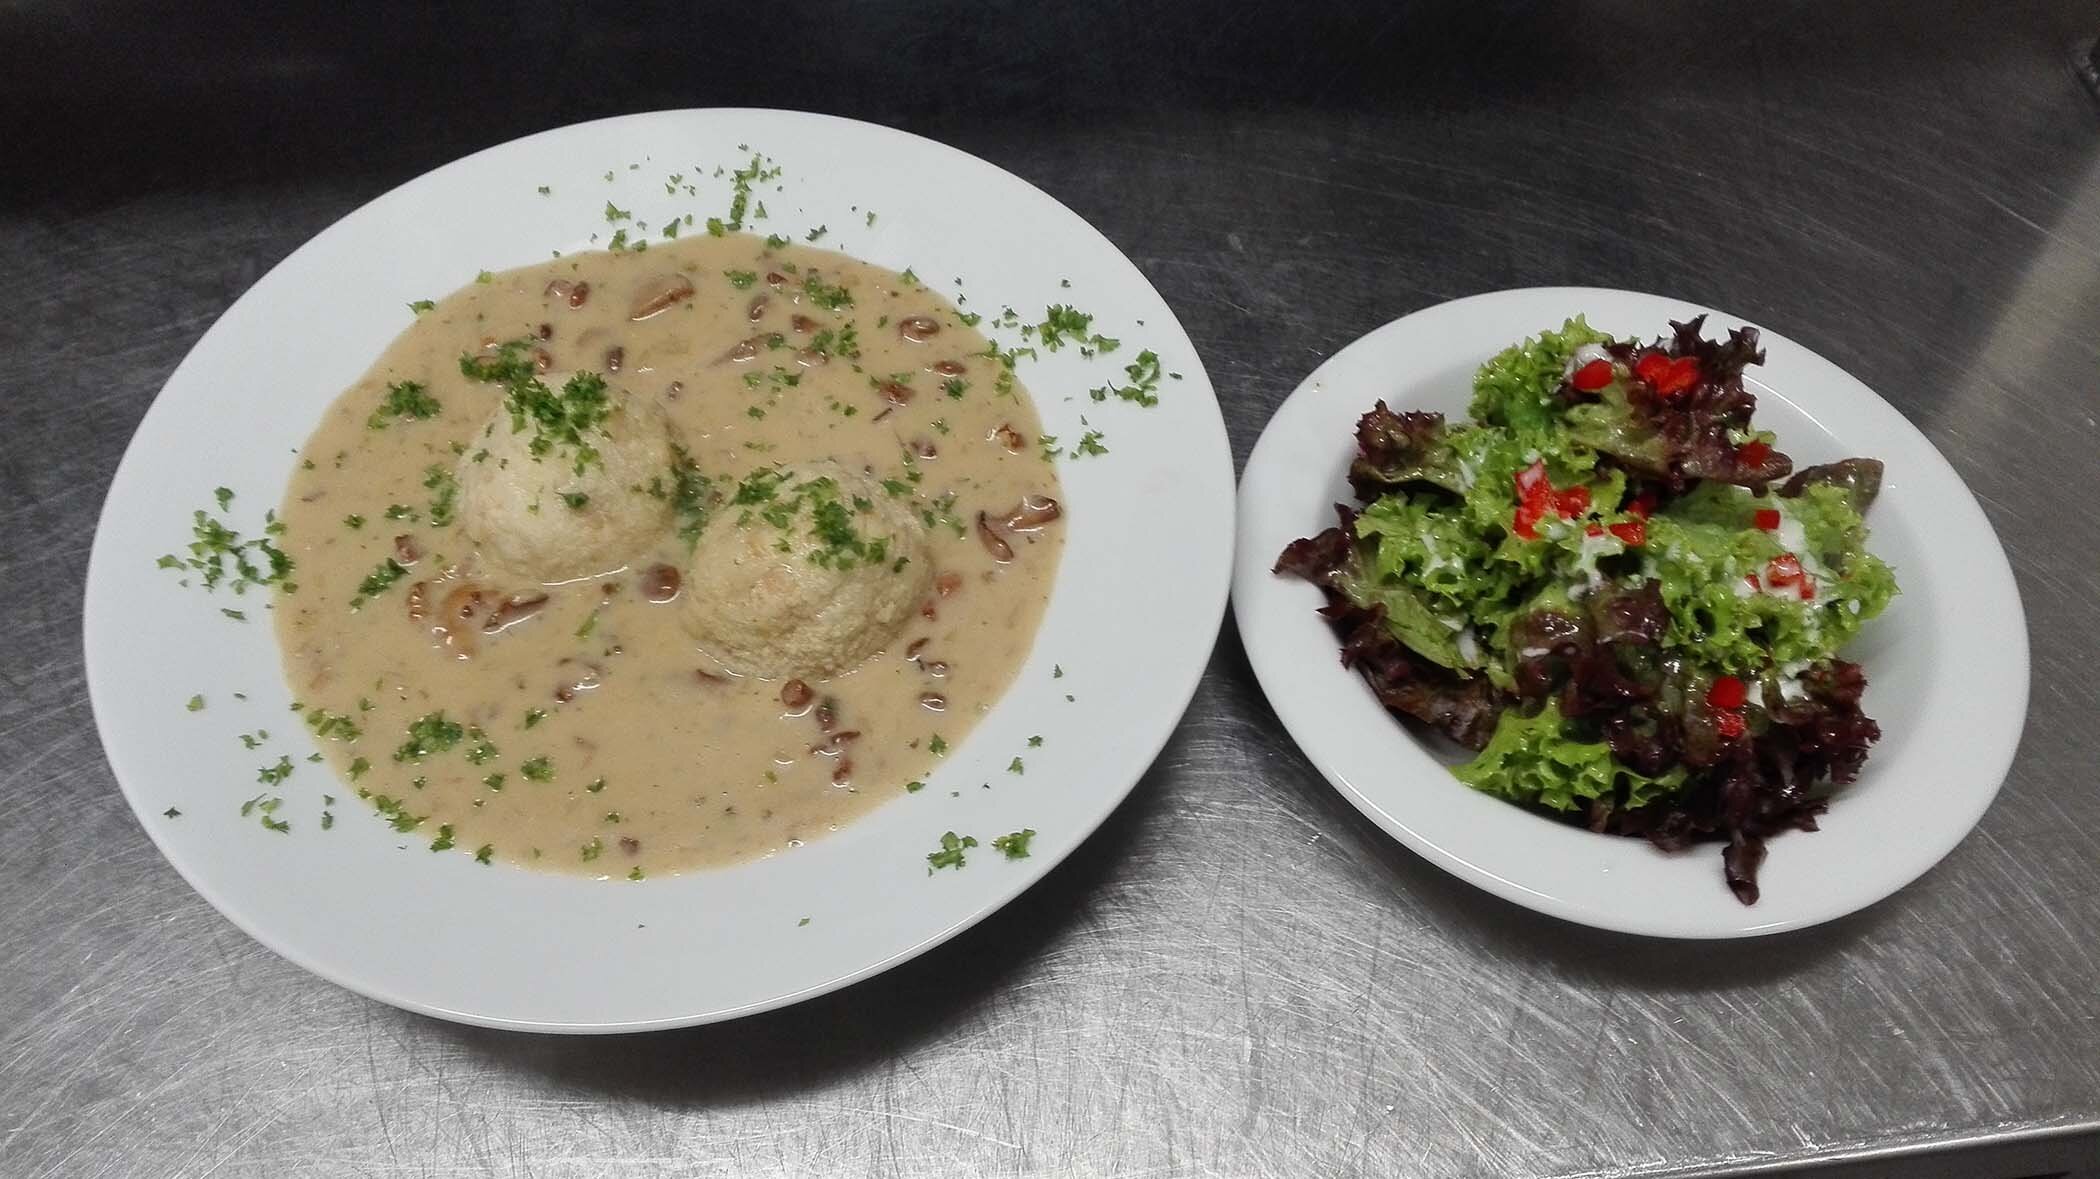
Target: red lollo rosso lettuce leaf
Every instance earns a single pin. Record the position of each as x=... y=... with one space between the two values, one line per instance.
x=1461 y=707
x=1396 y=449
x=1678 y=439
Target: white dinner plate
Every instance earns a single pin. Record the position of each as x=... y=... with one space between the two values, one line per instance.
x=1946 y=663
x=1130 y=624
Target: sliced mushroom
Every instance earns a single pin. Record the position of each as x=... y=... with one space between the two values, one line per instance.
x=947 y=584
x=513 y=610
x=912 y=649
x=458 y=613
x=1034 y=512
x=923 y=448
x=545 y=331
x=708 y=678
x=658 y=294
x=918 y=328
x=948 y=368
x=811 y=358
x=993 y=542
x=796 y=696
x=419 y=601
x=895 y=392
x=660 y=583
x=803 y=324
x=775 y=279
x=1008 y=437
x=406 y=551
x=630 y=845
x=843 y=773
x=615 y=356
x=542 y=360
x=757 y=310
x=933 y=702
x=743 y=350
x=575 y=294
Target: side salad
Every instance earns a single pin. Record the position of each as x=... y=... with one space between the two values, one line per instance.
x=1616 y=589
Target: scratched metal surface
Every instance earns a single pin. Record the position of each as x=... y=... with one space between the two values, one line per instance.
x=1238 y=975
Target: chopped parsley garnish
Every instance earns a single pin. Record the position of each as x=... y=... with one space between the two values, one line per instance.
x=422 y=305
x=404 y=399
x=817 y=233
x=401 y=512
x=428 y=734
x=576 y=500
x=236 y=615
x=219 y=556
x=359 y=767
x=1089 y=443
x=740 y=183
x=511 y=363
x=829 y=296
x=172 y=813
x=937 y=745
x=482 y=751
x=545 y=190
x=1063 y=324
x=443 y=842
x=741 y=279
x=561 y=420
x=614 y=213
x=535 y=716
x=494 y=781
x=596 y=785
x=394 y=812
x=1015 y=845
x=196 y=703
x=1144 y=382
x=950 y=854
x=774 y=241
x=1015 y=767
x=484 y=853
x=444 y=494
x=1035 y=742
x=913 y=787
x=591 y=851
x=353 y=521
x=538 y=769
x=273 y=774
x=378 y=581
x=332 y=726
x=692 y=495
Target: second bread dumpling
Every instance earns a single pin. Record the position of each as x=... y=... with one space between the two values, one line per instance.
x=806 y=571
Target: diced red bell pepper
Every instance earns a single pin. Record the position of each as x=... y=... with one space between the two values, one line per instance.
x=1531 y=479
x=1643 y=505
x=1767 y=519
x=1730 y=725
x=1727 y=692
x=1592 y=376
x=1652 y=367
x=1783 y=570
x=1572 y=501
x=1632 y=532
x=1752 y=453
x=1683 y=374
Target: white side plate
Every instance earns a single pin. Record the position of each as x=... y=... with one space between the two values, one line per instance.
x=1946 y=664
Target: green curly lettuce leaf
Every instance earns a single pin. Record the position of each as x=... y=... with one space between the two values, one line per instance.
x=1532 y=760
x=1515 y=390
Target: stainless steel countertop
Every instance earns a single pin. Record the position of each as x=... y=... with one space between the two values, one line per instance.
x=1238 y=975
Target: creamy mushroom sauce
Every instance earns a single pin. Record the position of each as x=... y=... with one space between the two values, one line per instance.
x=616 y=747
